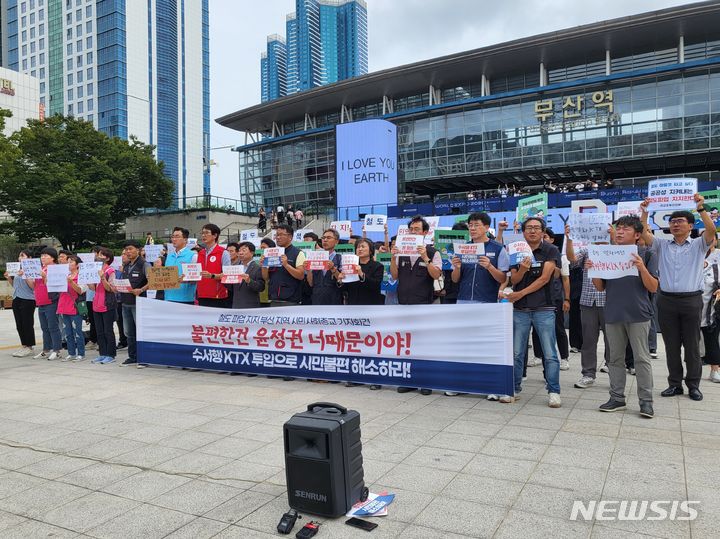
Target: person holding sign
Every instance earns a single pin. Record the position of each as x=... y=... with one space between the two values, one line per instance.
x=366 y=290
x=285 y=282
x=210 y=291
x=179 y=255
x=680 y=263
x=68 y=308
x=23 y=308
x=416 y=275
x=105 y=307
x=246 y=294
x=326 y=283
x=534 y=307
x=628 y=310
x=47 y=309
x=135 y=271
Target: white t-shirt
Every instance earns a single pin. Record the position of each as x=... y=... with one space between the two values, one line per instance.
x=564 y=267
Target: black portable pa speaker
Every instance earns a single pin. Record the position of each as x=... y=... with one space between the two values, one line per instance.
x=323 y=460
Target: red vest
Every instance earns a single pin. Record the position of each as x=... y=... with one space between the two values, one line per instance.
x=211 y=288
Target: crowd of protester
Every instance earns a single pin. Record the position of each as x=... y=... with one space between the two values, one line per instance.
x=675 y=293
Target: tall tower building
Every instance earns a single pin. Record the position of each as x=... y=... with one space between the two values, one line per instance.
x=273 y=64
x=131 y=67
x=326 y=42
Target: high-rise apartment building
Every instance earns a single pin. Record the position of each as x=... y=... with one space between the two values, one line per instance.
x=131 y=67
x=326 y=42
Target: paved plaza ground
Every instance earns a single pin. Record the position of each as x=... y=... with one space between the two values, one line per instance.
x=102 y=451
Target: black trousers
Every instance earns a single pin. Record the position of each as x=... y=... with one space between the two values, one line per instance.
x=105 y=334
x=575 y=325
x=24 y=312
x=122 y=339
x=712 y=348
x=679 y=319
x=560 y=335
x=92 y=335
x=212 y=302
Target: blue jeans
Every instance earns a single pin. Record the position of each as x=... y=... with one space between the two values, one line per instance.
x=74 y=334
x=128 y=313
x=544 y=324
x=52 y=340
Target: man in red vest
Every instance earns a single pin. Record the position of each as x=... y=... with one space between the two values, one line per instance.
x=210 y=291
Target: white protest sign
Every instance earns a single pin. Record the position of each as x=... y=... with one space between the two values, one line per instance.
x=300 y=233
x=375 y=222
x=612 y=261
x=191 y=272
x=231 y=274
x=512 y=237
x=12 y=268
x=116 y=263
x=57 y=275
x=32 y=268
x=251 y=234
x=89 y=272
x=123 y=286
x=151 y=294
x=192 y=242
x=672 y=194
x=349 y=268
x=315 y=260
x=407 y=244
x=434 y=222
x=344 y=228
x=271 y=257
x=469 y=253
x=590 y=227
x=403 y=230
x=86 y=257
x=518 y=251
x=153 y=252
x=628 y=208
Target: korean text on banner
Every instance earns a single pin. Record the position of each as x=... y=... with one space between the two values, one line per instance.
x=349 y=268
x=32 y=268
x=408 y=244
x=434 y=222
x=89 y=272
x=163 y=278
x=153 y=252
x=672 y=194
x=231 y=274
x=57 y=275
x=534 y=206
x=375 y=222
x=344 y=228
x=123 y=286
x=628 y=208
x=590 y=227
x=301 y=233
x=518 y=251
x=250 y=235
x=316 y=260
x=448 y=347
x=612 y=261
x=469 y=253
x=12 y=268
x=271 y=257
x=192 y=272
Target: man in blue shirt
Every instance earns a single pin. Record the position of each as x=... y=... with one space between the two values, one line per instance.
x=179 y=255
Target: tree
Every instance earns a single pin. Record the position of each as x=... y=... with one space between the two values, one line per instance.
x=62 y=178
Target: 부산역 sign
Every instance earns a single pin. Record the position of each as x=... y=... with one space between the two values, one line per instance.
x=672 y=194
x=534 y=206
x=163 y=278
x=611 y=261
x=590 y=227
x=347 y=343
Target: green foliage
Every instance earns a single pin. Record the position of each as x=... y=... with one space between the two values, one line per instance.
x=62 y=178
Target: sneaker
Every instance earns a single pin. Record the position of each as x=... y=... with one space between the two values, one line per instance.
x=375 y=387
x=507 y=399
x=653 y=354
x=78 y=358
x=426 y=391
x=646 y=409
x=41 y=355
x=54 y=355
x=24 y=352
x=604 y=368
x=451 y=394
x=17 y=353
x=524 y=378
x=141 y=366
x=107 y=360
x=534 y=361
x=715 y=376
x=68 y=358
x=564 y=365
x=554 y=400
x=128 y=362
x=574 y=350
x=612 y=406
x=631 y=371
x=493 y=397
x=584 y=382
x=98 y=359
x=121 y=345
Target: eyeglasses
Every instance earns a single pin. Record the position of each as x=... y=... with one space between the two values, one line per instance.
x=475 y=225
x=533 y=227
x=282 y=234
x=328 y=237
x=678 y=221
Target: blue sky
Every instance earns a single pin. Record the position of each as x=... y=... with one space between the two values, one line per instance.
x=400 y=32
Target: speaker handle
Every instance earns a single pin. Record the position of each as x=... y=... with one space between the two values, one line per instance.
x=311 y=407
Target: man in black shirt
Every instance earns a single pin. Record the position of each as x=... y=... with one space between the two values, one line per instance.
x=534 y=307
